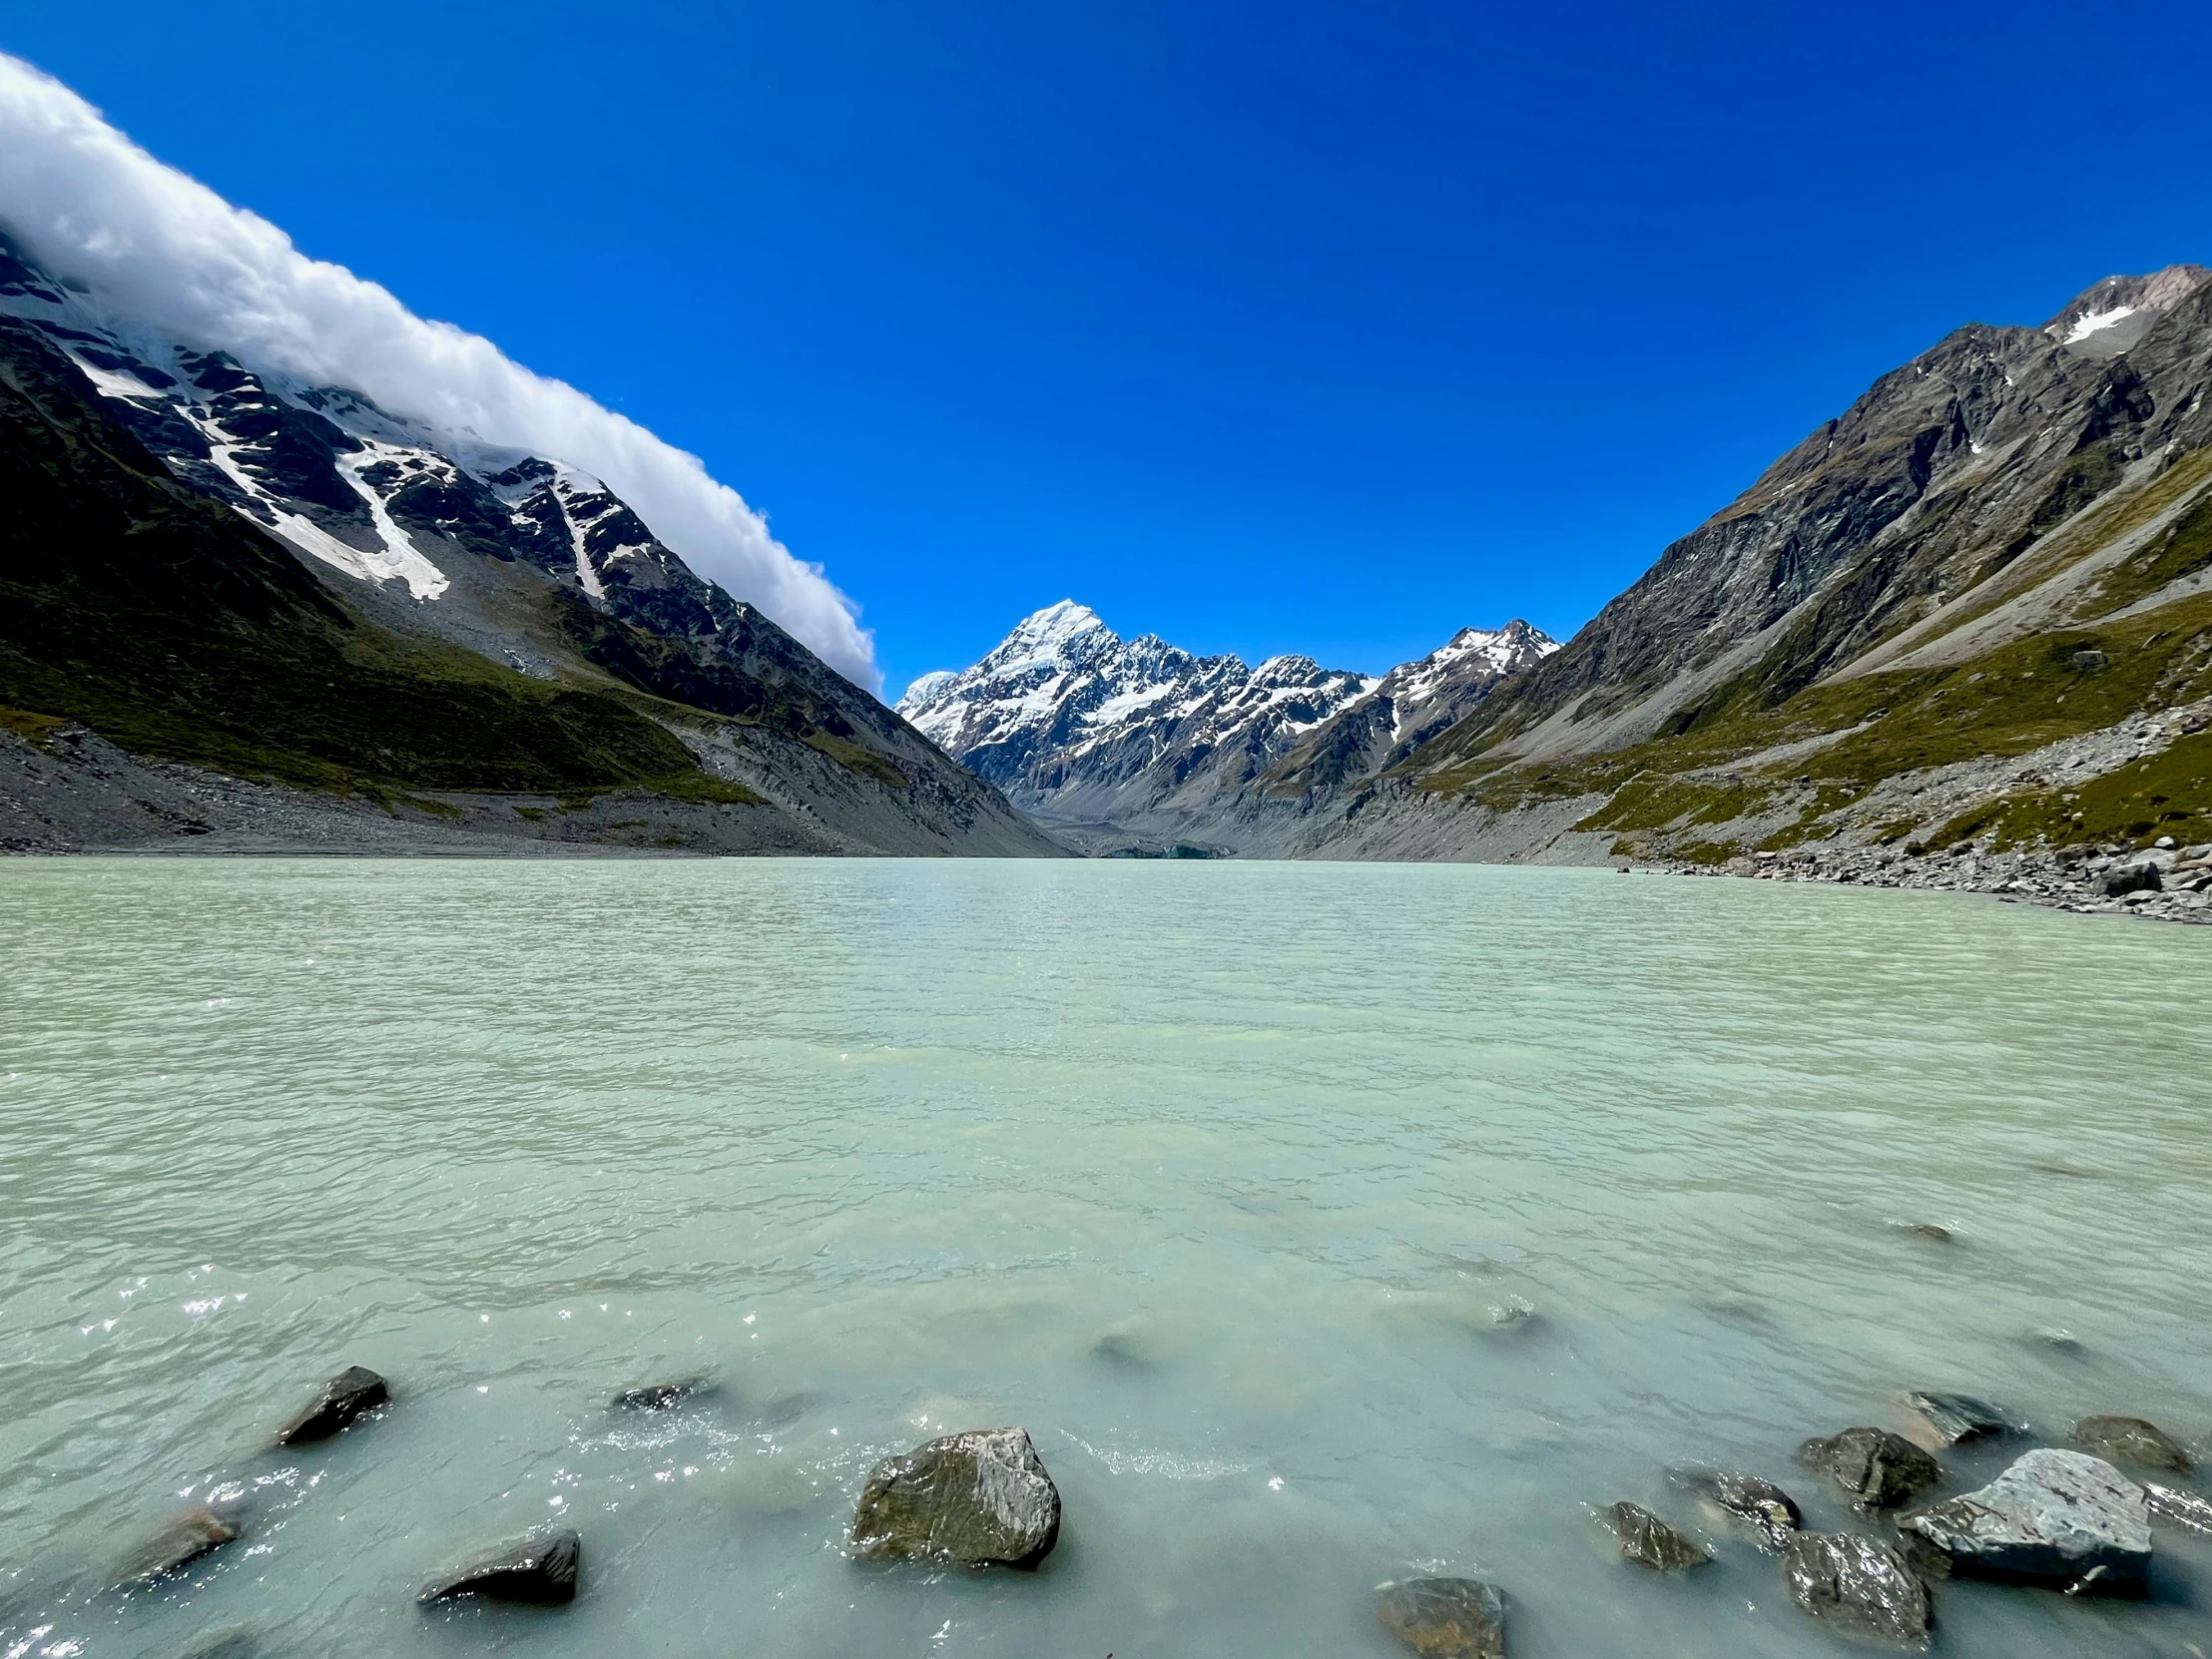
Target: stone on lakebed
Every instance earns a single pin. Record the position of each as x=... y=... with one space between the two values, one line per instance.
x=1878 y=1470
x=540 y=1570
x=1859 y=1585
x=2063 y=1518
x=1765 y=1509
x=1960 y=1418
x=344 y=1399
x=1650 y=1541
x=1445 y=1618
x=2131 y=1441
x=196 y=1532
x=981 y=1499
x=659 y=1396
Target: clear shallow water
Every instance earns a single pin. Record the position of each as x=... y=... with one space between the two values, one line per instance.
x=1213 y=1175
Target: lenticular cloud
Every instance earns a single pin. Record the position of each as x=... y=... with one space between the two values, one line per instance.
x=165 y=252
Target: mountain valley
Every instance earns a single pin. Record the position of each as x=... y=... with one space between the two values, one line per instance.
x=1960 y=635
x=1139 y=745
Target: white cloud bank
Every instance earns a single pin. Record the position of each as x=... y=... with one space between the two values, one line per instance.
x=164 y=251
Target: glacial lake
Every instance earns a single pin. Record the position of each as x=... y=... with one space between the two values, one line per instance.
x=1322 y=1225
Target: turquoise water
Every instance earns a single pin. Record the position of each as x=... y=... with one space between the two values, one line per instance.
x=1228 y=1181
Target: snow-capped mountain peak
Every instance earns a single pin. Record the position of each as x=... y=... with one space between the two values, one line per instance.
x=1056 y=635
x=1078 y=723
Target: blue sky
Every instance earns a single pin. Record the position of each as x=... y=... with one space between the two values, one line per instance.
x=1266 y=328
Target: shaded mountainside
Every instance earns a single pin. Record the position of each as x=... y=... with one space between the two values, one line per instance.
x=213 y=570
x=1975 y=608
x=1088 y=730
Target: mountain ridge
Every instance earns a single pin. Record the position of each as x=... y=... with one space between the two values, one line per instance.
x=453 y=564
x=1083 y=727
x=1958 y=632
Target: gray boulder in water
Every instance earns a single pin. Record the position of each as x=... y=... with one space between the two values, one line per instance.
x=1445 y=1618
x=1878 y=1470
x=2131 y=1441
x=1960 y=1418
x=344 y=1399
x=982 y=1500
x=2054 y=1517
x=1650 y=1541
x=1859 y=1585
x=540 y=1570
x=1767 y=1512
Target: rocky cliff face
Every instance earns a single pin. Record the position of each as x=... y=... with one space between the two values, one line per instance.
x=1910 y=632
x=462 y=564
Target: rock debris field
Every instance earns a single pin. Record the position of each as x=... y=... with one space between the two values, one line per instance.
x=2163 y=883
x=2057 y=1518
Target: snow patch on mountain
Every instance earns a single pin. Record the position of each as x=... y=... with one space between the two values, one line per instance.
x=2090 y=323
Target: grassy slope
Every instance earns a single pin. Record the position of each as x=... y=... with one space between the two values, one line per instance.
x=2062 y=683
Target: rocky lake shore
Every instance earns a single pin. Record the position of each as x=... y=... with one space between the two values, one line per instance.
x=2163 y=883
x=2045 y=1517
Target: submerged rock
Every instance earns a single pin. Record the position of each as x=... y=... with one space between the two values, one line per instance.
x=1878 y=1470
x=1513 y=1314
x=1650 y=1541
x=231 y=1644
x=1960 y=1418
x=1764 y=1509
x=1928 y=1230
x=1125 y=1349
x=1859 y=1585
x=2182 y=1508
x=2131 y=1441
x=982 y=1500
x=540 y=1570
x=349 y=1396
x=1445 y=1618
x=175 y=1547
x=2054 y=1517
x=659 y=1396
